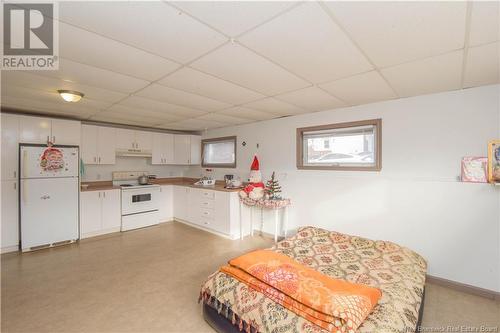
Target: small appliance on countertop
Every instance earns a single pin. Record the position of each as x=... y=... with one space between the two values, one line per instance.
x=205 y=181
x=140 y=202
x=232 y=182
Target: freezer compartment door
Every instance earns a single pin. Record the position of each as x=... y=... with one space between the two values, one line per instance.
x=49 y=211
x=40 y=162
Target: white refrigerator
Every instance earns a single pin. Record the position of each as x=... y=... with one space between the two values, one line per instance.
x=49 y=195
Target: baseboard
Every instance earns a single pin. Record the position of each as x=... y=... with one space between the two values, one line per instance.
x=463 y=287
x=100 y=233
x=231 y=237
x=8 y=249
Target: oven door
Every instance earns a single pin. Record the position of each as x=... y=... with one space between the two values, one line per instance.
x=139 y=200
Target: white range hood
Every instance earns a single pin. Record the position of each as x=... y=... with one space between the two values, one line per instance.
x=133 y=152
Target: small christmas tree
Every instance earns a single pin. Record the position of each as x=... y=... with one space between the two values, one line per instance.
x=273 y=188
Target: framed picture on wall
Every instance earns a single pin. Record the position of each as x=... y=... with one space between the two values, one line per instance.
x=474 y=169
x=494 y=161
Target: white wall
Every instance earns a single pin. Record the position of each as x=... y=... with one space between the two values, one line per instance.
x=103 y=172
x=416 y=199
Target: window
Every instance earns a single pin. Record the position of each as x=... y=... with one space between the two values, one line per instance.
x=351 y=146
x=219 y=152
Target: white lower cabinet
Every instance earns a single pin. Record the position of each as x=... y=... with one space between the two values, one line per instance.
x=100 y=212
x=10 y=216
x=181 y=202
x=166 y=203
x=209 y=209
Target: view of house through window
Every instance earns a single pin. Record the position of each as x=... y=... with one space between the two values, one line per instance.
x=340 y=146
x=219 y=152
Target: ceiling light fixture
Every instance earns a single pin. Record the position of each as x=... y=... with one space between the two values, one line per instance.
x=70 y=95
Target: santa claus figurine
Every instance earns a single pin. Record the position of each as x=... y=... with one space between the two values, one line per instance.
x=255 y=188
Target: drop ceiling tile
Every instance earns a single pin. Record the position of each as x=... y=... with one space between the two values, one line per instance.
x=160 y=116
x=41 y=96
x=119 y=117
x=49 y=107
x=316 y=48
x=430 y=75
x=233 y=17
x=152 y=26
x=196 y=124
x=175 y=126
x=93 y=76
x=169 y=95
x=149 y=104
x=394 y=32
x=196 y=82
x=242 y=112
x=482 y=66
x=237 y=64
x=361 y=88
x=275 y=106
x=109 y=54
x=224 y=119
x=311 y=99
x=485 y=22
x=49 y=84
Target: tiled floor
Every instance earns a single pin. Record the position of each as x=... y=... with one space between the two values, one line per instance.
x=148 y=280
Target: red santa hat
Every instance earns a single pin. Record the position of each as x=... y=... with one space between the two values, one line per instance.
x=255 y=164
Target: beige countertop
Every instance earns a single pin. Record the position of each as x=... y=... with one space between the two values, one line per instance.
x=179 y=181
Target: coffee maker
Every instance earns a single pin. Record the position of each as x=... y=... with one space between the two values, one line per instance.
x=227 y=180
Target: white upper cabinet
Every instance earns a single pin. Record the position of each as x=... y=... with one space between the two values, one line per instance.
x=34 y=129
x=127 y=139
x=42 y=130
x=144 y=140
x=106 y=145
x=88 y=151
x=182 y=149
x=163 y=148
x=65 y=132
x=187 y=149
x=98 y=144
x=10 y=146
x=195 y=146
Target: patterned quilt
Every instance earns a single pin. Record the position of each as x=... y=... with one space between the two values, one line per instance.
x=396 y=270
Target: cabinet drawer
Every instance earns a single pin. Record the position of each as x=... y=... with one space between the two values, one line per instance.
x=207 y=223
x=206 y=203
x=207 y=214
x=208 y=194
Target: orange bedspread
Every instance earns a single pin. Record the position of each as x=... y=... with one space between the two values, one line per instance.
x=335 y=305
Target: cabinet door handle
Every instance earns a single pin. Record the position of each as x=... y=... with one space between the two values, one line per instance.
x=15 y=174
x=99 y=159
x=54 y=139
x=15 y=186
x=48 y=139
x=95 y=159
x=99 y=194
x=104 y=194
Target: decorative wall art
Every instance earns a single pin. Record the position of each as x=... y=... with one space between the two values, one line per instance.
x=494 y=161
x=474 y=169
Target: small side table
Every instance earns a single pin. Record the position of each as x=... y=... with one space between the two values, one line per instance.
x=275 y=205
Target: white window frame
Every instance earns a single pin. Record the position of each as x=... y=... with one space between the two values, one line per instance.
x=377 y=166
x=218 y=165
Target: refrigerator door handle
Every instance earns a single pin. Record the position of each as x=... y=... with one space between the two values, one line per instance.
x=25 y=163
x=24 y=191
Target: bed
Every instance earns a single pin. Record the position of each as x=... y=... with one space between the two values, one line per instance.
x=231 y=306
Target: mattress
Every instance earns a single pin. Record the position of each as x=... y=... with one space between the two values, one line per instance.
x=397 y=271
